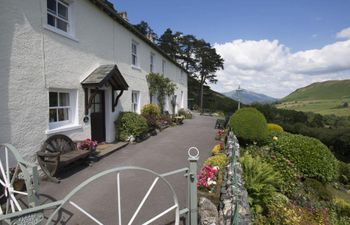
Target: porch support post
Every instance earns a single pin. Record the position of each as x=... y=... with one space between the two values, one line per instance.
x=115 y=102
x=193 y=154
x=86 y=93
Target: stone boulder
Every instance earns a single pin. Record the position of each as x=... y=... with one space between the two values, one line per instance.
x=208 y=212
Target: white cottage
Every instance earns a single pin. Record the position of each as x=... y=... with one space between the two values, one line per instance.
x=63 y=65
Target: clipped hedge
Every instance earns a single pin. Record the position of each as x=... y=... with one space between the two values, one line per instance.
x=249 y=125
x=274 y=127
x=150 y=110
x=309 y=155
x=130 y=123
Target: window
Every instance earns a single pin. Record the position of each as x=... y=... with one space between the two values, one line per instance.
x=151 y=64
x=58 y=14
x=134 y=53
x=135 y=101
x=59 y=107
x=163 y=66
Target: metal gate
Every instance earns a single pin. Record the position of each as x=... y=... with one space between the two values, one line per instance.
x=13 y=213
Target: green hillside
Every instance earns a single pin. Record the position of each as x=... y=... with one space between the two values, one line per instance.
x=334 y=89
x=329 y=97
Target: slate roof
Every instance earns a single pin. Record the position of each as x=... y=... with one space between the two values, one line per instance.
x=106 y=75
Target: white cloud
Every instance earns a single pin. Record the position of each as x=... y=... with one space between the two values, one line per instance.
x=345 y=33
x=269 y=67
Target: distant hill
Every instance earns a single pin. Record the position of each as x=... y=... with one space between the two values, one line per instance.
x=333 y=89
x=329 y=97
x=249 y=97
x=212 y=100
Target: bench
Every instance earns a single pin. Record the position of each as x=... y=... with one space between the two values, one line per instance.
x=57 y=152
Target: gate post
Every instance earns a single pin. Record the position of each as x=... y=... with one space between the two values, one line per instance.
x=193 y=156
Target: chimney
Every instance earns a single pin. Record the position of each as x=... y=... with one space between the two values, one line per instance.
x=150 y=37
x=123 y=15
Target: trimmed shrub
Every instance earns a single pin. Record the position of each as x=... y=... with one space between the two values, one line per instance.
x=274 y=127
x=309 y=155
x=151 y=113
x=150 y=109
x=249 y=125
x=185 y=113
x=130 y=123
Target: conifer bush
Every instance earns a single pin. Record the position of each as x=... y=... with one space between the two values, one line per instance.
x=249 y=125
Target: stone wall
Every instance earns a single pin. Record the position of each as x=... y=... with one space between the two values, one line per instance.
x=234 y=207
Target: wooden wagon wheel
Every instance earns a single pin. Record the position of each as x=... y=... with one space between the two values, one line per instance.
x=13 y=169
x=49 y=155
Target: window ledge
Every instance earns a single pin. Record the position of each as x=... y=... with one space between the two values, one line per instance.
x=62 y=33
x=136 y=68
x=63 y=128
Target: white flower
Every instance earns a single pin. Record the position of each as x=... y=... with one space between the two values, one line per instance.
x=216 y=167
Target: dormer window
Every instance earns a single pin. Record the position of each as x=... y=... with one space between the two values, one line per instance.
x=58 y=14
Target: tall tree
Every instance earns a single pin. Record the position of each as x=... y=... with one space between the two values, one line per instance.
x=208 y=63
x=146 y=30
x=168 y=43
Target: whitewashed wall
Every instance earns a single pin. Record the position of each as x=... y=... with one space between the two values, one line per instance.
x=34 y=59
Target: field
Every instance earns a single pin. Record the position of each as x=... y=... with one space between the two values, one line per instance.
x=323 y=107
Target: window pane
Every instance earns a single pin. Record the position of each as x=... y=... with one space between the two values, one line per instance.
x=133 y=59
x=62 y=11
x=53 y=115
x=97 y=98
x=51 y=5
x=62 y=25
x=62 y=114
x=50 y=20
x=133 y=47
x=53 y=99
x=64 y=99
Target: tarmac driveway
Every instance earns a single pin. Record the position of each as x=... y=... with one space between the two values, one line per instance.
x=162 y=153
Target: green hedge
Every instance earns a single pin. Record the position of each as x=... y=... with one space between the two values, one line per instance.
x=130 y=123
x=249 y=125
x=309 y=155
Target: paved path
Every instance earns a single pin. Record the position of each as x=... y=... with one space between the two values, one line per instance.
x=162 y=153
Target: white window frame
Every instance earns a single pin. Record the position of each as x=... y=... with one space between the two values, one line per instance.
x=72 y=117
x=135 y=105
x=163 y=66
x=151 y=63
x=134 y=54
x=57 y=17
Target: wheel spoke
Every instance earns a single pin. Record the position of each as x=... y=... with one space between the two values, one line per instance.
x=7 y=164
x=7 y=205
x=160 y=215
x=86 y=213
x=20 y=192
x=119 y=208
x=1 y=212
x=12 y=205
x=15 y=174
x=2 y=182
x=3 y=173
x=15 y=202
x=143 y=201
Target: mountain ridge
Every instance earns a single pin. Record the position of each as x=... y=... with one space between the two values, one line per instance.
x=249 y=97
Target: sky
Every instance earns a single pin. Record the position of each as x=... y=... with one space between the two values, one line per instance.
x=269 y=46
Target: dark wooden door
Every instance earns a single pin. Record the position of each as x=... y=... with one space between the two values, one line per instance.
x=98 y=129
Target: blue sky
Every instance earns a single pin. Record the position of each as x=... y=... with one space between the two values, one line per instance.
x=297 y=26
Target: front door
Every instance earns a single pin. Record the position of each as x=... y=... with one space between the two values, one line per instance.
x=98 y=129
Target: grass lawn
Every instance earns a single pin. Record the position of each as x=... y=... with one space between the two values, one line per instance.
x=323 y=107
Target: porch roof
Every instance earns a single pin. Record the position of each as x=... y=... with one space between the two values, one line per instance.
x=106 y=75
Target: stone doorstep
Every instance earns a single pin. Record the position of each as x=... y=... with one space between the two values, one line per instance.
x=103 y=150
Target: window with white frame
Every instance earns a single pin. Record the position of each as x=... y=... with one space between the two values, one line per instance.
x=59 y=107
x=163 y=66
x=151 y=63
x=134 y=60
x=58 y=15
x=135 y=101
